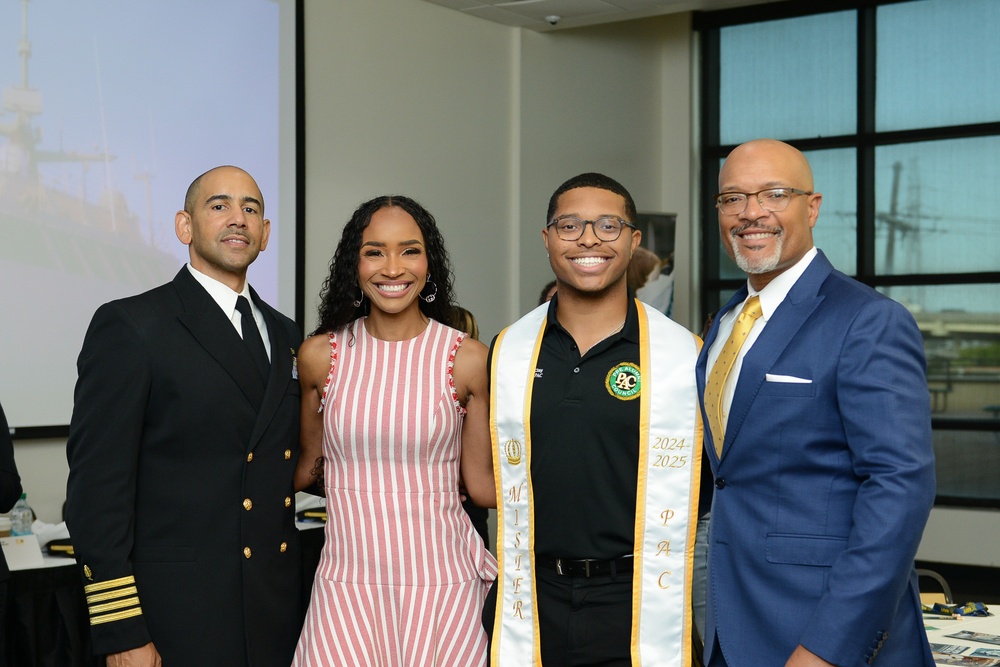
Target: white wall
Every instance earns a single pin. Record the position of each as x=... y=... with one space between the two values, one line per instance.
x=411 y=98
x=613 y=99
x=480 y=123
x=44 y=470
x=955 y=535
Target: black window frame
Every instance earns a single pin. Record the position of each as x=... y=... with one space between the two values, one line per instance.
x=864 y=140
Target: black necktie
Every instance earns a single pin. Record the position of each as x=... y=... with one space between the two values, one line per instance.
x=251 y=336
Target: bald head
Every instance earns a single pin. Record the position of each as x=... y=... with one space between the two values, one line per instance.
x=770 y=156
x=191 y=196
x=765 y=242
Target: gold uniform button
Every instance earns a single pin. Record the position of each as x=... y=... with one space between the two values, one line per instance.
x=288 y=501
x=246 y=552
x=247 y=504
x=283 y=547
x=288 y=454
x=249 y=457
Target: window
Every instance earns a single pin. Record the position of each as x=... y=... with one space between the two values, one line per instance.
x=890 y=105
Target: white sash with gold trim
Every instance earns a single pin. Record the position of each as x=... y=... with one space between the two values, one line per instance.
x=666 y=496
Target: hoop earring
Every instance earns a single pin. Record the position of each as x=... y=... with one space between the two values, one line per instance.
x=430 y=297
x=360 y=300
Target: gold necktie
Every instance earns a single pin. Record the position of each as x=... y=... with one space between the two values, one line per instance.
x=716 y=381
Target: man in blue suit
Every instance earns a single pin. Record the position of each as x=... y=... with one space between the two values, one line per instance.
x=819 y=438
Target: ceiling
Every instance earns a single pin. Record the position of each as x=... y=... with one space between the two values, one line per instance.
x=546 y=15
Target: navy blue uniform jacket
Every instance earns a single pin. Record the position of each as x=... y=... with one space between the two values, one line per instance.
x=181 y=462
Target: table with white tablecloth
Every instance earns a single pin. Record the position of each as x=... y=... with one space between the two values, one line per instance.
x=977 y=653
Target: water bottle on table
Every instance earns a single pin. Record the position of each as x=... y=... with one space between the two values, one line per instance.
x=21 y=517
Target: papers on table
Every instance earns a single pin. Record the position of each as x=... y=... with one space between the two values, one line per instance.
x=22 y=552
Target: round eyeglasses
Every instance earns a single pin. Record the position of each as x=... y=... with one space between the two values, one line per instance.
x=772 y=199
x=606 y=228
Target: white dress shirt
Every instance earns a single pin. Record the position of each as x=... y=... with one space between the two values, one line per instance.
x=226 y=298
x=770 y=298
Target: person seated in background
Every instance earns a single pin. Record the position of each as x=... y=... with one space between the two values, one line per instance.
x=643 y=266
x=652 y=279
x=548 y=292
x=466 y=321
x=10 y=491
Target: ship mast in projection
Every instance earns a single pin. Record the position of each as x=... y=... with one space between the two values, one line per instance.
x=59 y=223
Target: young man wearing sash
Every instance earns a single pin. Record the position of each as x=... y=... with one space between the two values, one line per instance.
x=597 y=448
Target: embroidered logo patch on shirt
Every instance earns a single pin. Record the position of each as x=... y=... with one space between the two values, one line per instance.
x=624 y=381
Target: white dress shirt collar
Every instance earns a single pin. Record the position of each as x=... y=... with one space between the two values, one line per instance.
x=770 y=298
x=226 y=298
x=223 y=294
x=775 y=291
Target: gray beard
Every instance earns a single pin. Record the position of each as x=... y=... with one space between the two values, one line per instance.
x=757 y=266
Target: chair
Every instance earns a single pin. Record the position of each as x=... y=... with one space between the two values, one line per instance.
x=930 y=597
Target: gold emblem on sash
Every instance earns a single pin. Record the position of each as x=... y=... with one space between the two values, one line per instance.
x=512 y=448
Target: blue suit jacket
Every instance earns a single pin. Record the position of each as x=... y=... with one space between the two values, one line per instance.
x=823 y=489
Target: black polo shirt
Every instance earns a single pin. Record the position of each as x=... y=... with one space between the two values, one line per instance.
x=584 y=444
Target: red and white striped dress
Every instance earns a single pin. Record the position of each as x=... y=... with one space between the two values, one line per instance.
x=403 y=573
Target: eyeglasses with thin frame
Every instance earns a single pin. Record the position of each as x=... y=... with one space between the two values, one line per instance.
x=772 y=199
x=607 y=228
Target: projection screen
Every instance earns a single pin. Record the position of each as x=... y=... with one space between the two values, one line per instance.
x=109 y=109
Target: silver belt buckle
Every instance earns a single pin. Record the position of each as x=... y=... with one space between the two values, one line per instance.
x=586 y=568
x=559 y=569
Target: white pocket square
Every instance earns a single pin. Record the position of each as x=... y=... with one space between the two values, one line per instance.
x=786 y=378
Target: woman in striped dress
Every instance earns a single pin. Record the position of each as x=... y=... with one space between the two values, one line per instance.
x=394 y=413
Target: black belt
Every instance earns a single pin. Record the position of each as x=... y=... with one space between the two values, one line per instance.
x=585 y=567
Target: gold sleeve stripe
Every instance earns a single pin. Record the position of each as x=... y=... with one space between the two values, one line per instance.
x=108 y=618
x=111 y=595
x=117 y=604
x=111 y=583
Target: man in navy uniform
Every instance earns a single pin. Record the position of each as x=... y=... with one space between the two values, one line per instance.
x=182 y=446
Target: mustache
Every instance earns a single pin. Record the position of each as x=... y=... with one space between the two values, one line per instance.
x=756 y=226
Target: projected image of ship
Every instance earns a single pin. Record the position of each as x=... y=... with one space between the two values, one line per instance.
x=53 y=229
x=69 y=239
